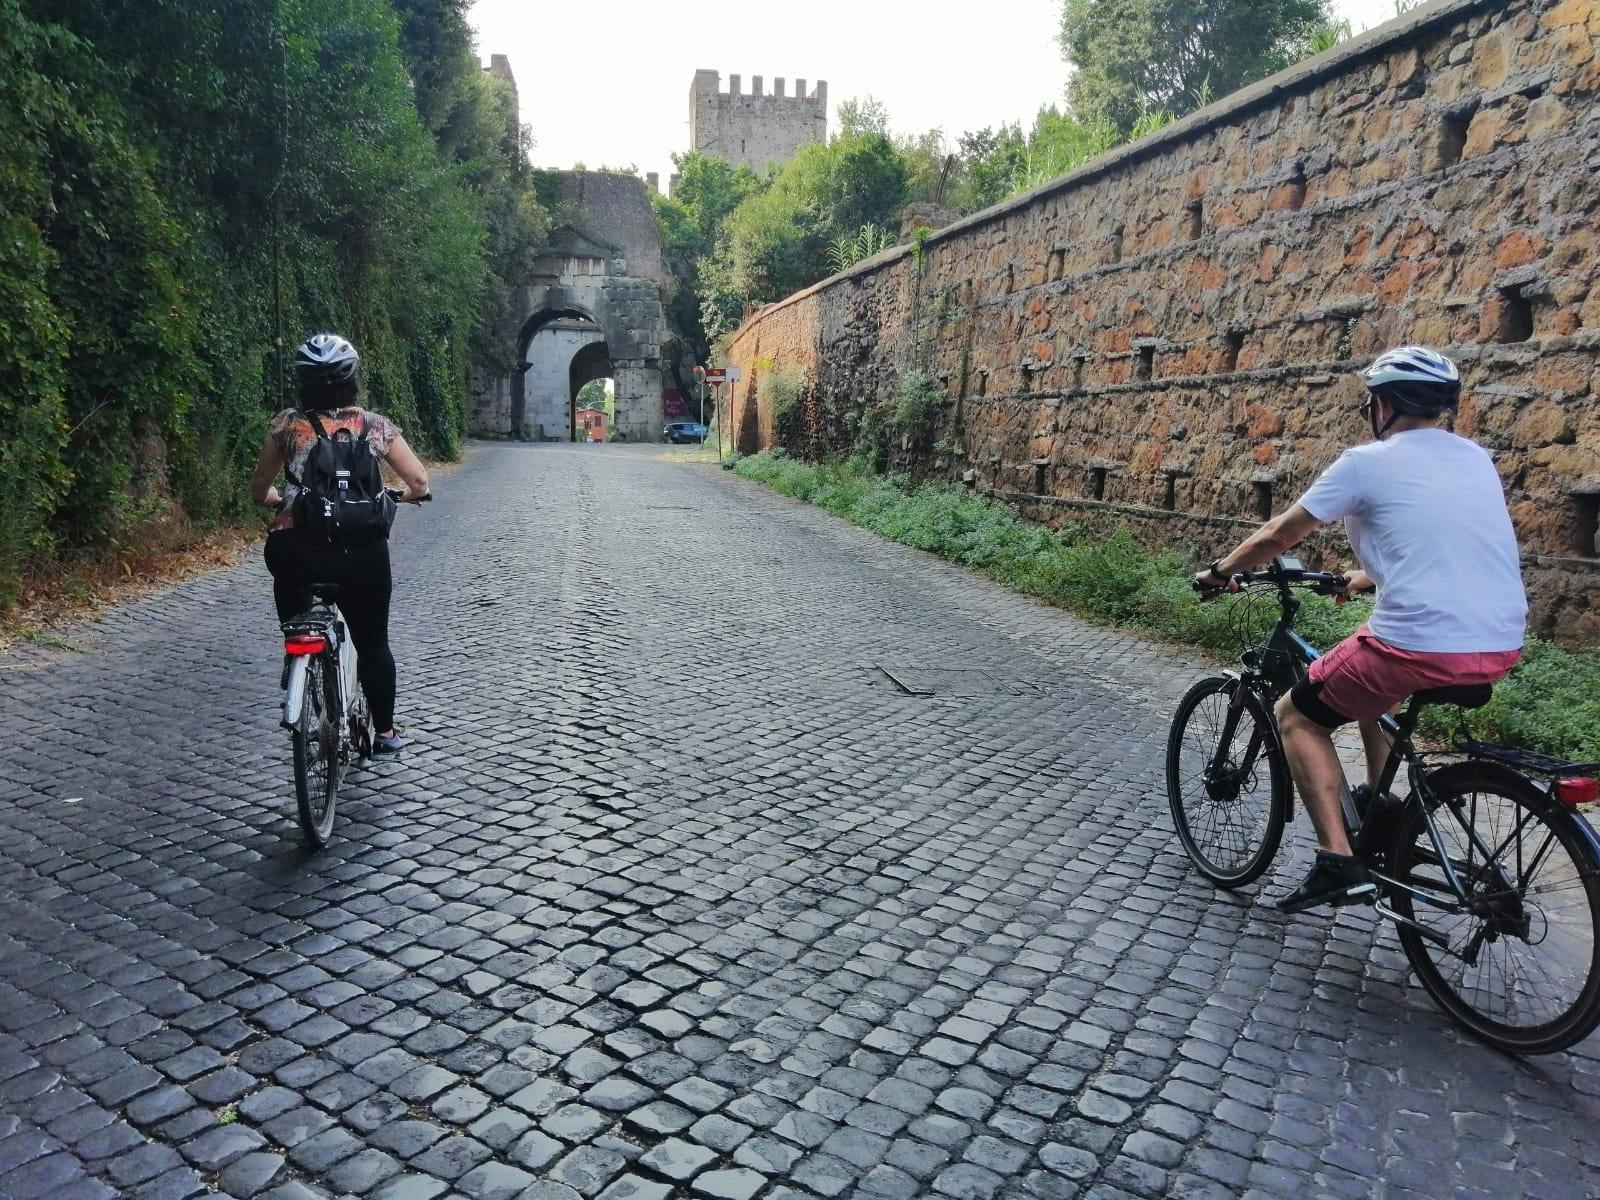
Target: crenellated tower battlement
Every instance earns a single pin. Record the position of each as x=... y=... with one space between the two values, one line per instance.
x=756 y=128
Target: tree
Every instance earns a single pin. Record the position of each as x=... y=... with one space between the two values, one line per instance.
x=866 y=114
x=437 y=43
x=998 y=164
x=593 y=395
x=691 y=220
x=1130 y=57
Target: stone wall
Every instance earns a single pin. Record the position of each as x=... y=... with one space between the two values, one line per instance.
x=755 y=128
x=1166 y=337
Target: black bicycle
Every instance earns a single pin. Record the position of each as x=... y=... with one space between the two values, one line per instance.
x=1487 y=867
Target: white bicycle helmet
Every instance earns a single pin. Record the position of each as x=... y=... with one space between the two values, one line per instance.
x=326 y=358
x=1414 y=380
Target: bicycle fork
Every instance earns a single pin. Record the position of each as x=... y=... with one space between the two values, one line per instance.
x=1217 y=769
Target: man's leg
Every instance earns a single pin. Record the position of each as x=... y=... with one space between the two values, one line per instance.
x=1377 y=745
x=1306 y=722
x=1317 y=773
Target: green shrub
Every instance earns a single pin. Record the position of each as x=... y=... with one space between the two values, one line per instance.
x=916 y=406
x=782 y=389
x=1550 y=703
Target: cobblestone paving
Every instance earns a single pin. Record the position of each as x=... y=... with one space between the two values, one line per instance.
x=676 y=896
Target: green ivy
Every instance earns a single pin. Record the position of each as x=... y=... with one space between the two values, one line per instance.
x=183 y=184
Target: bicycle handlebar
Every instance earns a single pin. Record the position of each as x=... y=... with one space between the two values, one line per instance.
x=398 y=494
x=1323 y=583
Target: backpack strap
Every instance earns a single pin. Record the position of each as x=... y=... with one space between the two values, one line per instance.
x=315 y=424
x=322 y=435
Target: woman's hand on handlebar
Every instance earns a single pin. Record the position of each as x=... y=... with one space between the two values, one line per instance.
x=404 y=496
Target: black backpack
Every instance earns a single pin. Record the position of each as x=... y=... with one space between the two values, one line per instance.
x=341 y=494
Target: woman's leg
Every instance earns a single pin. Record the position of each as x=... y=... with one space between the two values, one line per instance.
x=365 y=585
x=284 y=556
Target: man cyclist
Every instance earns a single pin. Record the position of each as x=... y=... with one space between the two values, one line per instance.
x=1426 y=516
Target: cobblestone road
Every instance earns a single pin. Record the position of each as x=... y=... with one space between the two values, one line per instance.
x=676 y=896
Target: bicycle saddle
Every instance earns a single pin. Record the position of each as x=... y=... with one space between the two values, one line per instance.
x=326 y=591
x=1464 y=695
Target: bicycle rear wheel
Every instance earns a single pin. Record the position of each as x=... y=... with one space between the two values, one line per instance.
x=1227 y=782
x=315 y=738
x=1520 y=967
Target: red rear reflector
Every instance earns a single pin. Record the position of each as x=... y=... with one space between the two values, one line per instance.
x=1578 y=790
x=305 y=643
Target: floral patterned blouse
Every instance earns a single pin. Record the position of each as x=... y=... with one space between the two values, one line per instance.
x=295 y=437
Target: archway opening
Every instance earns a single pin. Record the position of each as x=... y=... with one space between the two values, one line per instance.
x=591 y=386
x=553 y=342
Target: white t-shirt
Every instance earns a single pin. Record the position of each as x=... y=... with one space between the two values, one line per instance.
x=1426 y=515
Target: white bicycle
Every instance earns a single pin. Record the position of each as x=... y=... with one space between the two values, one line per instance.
x=324 y=710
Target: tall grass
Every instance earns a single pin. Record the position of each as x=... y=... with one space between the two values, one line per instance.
x=1551 y=702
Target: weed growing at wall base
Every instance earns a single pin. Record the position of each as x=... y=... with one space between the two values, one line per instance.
x=1551 y=703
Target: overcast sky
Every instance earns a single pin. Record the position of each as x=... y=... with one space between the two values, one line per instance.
x=608 y=85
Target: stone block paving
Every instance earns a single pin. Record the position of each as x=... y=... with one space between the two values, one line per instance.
x=676 y=895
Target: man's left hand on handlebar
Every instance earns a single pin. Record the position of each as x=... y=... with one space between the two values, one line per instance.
x=1213 y=581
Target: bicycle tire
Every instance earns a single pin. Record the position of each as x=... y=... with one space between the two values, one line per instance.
x=315 y=738
x=1259 y=843
x=1573 y=897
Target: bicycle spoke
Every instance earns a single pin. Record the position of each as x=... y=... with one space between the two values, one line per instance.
x=1219 y=745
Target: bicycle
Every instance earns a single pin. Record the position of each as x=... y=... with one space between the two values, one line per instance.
x=324 y=710
x=1485 y=862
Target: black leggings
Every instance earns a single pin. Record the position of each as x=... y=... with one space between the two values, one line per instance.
x=362 y=573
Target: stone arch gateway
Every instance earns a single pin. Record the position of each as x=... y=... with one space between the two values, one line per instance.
x=600 y=281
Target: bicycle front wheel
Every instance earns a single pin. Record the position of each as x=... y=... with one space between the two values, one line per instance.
x=1227 y=782
x=316 y=756
x=1519 y=964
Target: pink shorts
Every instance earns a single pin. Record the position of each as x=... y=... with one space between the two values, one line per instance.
x=1364 y=677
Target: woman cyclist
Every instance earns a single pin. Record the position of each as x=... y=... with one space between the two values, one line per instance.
x=329 y=373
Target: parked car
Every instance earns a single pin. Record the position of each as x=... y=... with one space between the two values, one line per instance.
x=678 y=432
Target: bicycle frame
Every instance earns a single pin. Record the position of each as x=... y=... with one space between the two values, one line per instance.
x=1273 y=673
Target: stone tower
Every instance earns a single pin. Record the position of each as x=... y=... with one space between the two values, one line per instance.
x=754 y=129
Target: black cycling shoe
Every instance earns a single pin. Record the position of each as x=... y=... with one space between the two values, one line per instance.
x=1361 y=796
x=1334 y=879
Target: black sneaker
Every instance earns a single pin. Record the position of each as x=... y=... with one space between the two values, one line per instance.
x=1361 y=796
x=1334 y=879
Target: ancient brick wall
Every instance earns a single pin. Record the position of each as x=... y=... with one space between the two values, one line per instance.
x=1166 y=337
x=755 y=128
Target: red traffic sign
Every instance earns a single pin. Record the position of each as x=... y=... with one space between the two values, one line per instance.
x=699 y=373
x=716 y=374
